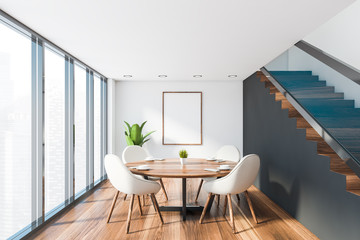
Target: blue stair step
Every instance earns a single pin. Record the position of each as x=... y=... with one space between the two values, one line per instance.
x=320 y=95
x=345 y=133
x=330 y=112
x=311 y=103
x=297 y=85
x=287 y=73
x=315 y=90
x=297 y=78
x=339 y=122
x=351 y=145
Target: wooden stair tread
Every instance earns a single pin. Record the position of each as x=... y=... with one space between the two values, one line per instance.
x=354 y=191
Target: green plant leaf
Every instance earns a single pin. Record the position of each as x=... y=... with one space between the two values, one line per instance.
x=144 y=142
x=129 y=128
x=183 y=153
x=142 y=125
x=135 y=134
x=127 y=133
x=129 y=141
x=148 y=134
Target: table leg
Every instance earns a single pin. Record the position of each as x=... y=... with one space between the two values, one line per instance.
x=183 y=208
x=184 y=198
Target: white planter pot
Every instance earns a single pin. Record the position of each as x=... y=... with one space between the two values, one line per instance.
x=183 y=161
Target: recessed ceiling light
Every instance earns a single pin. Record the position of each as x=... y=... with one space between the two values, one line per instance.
x=232 y=76
x=197 y=76
x=162 y=76
x=128 y=76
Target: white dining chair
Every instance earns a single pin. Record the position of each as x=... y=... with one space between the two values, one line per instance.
x=227 y=152
x=237 y=181
x=136 y=153
x=124 y=181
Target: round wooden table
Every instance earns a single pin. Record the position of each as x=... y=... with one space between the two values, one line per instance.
x=171 y=168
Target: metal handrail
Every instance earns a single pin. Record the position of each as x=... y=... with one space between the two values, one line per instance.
x=331 y=61
x=338 y=148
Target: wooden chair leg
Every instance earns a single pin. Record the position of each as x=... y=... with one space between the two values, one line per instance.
x=199 y=188
x=125 y=197
x=218 y=199
x=238 y=197
x=251 y=206
x=225 y=205
x=163 y=189
x=144 y=200
x=129 y=213
x=157 y=207
x=112 y=206
x=153 y=203
x=231 y=213
x=139 y=202
x=205 y=208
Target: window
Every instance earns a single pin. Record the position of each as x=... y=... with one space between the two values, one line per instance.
x=54 y=110
x=51 y=112
x=80 y=128
x=97 y=128
x=15 y=131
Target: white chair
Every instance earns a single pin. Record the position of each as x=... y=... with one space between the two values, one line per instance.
x=237 y=181
x=136 y=153
x=227 y=152
x=124 y=181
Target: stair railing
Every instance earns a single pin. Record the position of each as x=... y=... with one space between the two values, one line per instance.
x=338 y=148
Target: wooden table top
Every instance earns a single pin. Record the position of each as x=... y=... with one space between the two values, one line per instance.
x=171 y=168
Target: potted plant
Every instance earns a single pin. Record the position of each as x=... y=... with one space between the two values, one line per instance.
x=183 y=156
x=134 y=134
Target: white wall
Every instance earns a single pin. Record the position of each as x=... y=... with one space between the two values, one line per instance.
x=137 y=101
x=111 y=115
x=340 y=36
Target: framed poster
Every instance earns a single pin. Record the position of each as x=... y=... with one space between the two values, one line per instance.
x=182 y=118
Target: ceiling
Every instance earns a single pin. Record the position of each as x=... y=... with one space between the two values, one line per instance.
x=179 y=39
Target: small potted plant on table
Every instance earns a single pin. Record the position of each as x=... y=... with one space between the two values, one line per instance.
x=183 y=156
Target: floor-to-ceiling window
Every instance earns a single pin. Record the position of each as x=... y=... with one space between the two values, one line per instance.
x=97 y=127
x=54 y=128
x=80 y=127
x=15 y=131
x=46 y=141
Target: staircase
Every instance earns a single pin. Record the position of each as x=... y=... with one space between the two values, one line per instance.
x=335 y=114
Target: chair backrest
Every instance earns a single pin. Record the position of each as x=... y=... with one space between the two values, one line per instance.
x=133 y=154
x=239 y=179
x=228 y=152
x=124 y=181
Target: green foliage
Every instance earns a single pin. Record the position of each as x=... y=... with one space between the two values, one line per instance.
x=183 y=153
x=134 y=136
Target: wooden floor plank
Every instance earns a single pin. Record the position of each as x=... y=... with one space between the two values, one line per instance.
x=87 y=220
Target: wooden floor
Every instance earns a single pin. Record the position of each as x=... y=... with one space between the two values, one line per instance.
x=87 y=220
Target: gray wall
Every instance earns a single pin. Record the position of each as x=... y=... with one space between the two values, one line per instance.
x=291 y=173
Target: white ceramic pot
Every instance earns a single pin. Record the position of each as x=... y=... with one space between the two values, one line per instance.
x=183 y=161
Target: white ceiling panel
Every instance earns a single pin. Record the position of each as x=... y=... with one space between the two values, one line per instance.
x=180 y=39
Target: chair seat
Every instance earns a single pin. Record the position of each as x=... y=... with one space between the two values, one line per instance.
x=208 y=179
x=154 y=178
